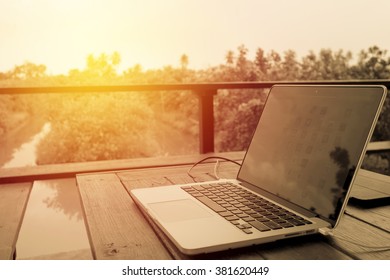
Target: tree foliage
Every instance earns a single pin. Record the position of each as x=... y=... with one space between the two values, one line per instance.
x=109 y=126
x=99 y=127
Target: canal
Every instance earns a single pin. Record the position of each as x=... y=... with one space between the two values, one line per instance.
x=53 y=226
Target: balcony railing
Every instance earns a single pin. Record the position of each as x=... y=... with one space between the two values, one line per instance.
x=204 y=91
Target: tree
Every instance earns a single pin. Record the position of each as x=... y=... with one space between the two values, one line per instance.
x=372 y=64
x=245 y=69
x=99 y=127
x=229 y=58
x=100 y=69
x=309 y=67
x=134 y=75
x=333 y=65
x=327 y=65
x=103 y=66
x=236 y=111
x=241 y=60
x=261 y=62
x=290 y=67
x=4 y=76
x=275 y=71
x=184 y=61
x=28 y=70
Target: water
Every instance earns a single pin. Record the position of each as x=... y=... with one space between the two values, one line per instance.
x=53 y=226
x=25 y=155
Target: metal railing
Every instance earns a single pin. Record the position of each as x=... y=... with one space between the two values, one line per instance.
x=204 y=91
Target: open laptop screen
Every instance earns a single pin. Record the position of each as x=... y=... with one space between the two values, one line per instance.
x=308 y=143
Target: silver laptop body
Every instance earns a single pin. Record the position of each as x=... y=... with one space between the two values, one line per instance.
x=308 y=145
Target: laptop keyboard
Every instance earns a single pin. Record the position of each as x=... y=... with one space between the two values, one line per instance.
x=244 y=209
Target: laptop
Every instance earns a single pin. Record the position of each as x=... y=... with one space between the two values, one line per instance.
x=294 y=180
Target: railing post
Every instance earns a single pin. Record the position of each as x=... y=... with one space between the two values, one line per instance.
x=206 y=121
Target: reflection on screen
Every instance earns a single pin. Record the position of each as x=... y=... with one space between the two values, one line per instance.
x=307 y=145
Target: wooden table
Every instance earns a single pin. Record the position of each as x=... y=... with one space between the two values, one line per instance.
x=118 y=230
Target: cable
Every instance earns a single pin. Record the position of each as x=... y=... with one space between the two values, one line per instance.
x=328 y=232
x=215 y=167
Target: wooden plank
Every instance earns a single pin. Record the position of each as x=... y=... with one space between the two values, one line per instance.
x=367 y=195
x=378 y=146
x=370 y=185
x=372 y=243
x=376 y=216
x=54 y=171
x=116 y=228
x=13 y=201
x=310 y=247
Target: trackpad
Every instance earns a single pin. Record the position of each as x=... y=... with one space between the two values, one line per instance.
x=178 y=210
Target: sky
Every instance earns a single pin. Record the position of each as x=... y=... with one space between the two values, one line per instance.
x=155 y=33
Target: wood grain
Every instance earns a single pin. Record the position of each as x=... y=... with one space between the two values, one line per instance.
x=366 y=236
x=66 y=170
x=376 y=216
x=13 y=201
x=368 y=227
x=310 y=247
x=116 y=228
x=370 y=185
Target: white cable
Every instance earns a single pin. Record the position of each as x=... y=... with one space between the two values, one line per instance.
x=328 y=232
x=216 y=170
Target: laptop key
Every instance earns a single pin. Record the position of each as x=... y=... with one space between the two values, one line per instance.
x=248 y=219
x=231 y=204
x=286 y=225
x=273 y=217
x=225 y=213
x=295 y=222
x=259 y=226
x=272 y=225
x=303 y=220
x=279 y=221
x=242 y=215
x=225 y=204
x=232 y=218
x=246 y=225
x=256 y=215
x=235 y=203
x=213 y=205
x=251 y=212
